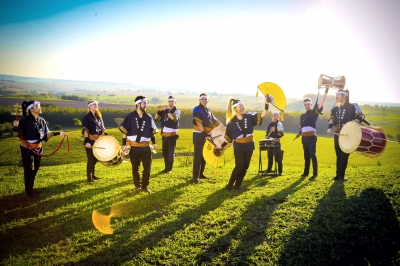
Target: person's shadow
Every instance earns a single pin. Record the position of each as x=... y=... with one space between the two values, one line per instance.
x=362 y=230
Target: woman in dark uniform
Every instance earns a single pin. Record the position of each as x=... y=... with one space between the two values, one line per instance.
x=33 y=129
x=340 y=115
x=239 y=130
x=92 y=129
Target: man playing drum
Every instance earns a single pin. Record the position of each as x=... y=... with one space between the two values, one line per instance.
x=340 y=115
x=92 y=129
x=169 y=117
x=138 y=128
x=308 y=128
x=275 y=133
x=239 y=130
x=204 y=121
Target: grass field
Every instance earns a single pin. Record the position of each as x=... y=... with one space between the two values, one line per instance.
x=287 y=220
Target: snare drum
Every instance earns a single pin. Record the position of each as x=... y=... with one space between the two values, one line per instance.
x=267 y=144
x=108 y=151
x=370 y=141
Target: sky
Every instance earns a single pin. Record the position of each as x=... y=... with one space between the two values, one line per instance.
x=219 y=45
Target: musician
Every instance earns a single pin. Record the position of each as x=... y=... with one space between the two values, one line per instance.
x=169 y=116
x=138 y=128
x=340 y=115
x=308 y=132
x=239 y=130
x=275 y=133
x=92 y=129
x=33 y=129
x=204 y=121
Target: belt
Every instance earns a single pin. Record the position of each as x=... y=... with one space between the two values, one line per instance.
x=32 y=145
x=94 y=137
x=138 y=144
x=168 y=134
x=245 y=139
x=308 y=134
x=206 y=129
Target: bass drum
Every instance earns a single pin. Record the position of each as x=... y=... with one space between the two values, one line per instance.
x=369 y=141
x=108 y=151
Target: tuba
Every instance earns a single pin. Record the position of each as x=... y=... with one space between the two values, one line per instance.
x=331 y=82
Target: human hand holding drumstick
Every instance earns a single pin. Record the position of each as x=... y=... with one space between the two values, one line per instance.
x=329 y=131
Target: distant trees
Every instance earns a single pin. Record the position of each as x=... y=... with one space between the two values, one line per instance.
x=5 y=127
x=77 y=122
x=118 y=121
x=155 y=100
x=74 y=98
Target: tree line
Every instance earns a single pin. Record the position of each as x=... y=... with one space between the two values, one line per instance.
x=67 y=117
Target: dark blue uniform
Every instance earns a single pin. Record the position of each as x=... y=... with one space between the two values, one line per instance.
x=276 y=152
x=139 y=132
x=240 y=132
x=308 y=128
x=169 y=133
x=94 y=126
x=340 y=116
x=34 y=132
x=209 y=121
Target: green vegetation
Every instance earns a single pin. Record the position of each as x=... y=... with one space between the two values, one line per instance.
x=288 y=220
x=387 y=118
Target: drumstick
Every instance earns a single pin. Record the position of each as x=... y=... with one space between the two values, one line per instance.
x=97 y=148
x=339 y=134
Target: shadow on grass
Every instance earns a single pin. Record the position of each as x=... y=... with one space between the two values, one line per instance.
x=250 y=230
x=360 y=230
x=124 y=249
x=26 y=220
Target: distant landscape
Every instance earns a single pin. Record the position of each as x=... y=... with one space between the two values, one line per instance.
x=123 y=94
x=75 y=94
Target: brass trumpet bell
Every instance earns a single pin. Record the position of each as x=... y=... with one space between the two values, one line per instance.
x=331 y=82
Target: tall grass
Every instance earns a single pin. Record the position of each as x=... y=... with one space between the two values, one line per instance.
x=287 y=220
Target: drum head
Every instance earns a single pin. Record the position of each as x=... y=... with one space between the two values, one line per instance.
x=106 y=148
x=350 y=137
x=218 y=134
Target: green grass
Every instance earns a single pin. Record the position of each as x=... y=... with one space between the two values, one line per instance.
x=288 y=220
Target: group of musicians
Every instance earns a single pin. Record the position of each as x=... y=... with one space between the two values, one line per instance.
x=138 y=130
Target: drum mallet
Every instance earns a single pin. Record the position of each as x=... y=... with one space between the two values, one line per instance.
x=339 y=134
